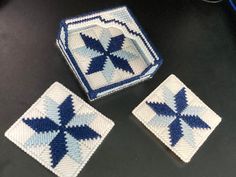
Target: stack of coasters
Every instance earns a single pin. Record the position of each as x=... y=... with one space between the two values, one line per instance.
x=107 y=51
x=60 y=131
x=176 y=116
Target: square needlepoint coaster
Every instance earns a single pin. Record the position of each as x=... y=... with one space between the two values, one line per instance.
x=107 y=51
x=175 y=115
x=60 y=131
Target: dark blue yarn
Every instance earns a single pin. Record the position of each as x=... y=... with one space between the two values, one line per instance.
x=92 y=43
x=121 y=64
x=58 y=144
x=118 y=22
x=41 y=125
x=116 y=43
x=66 y=110
x=175 y=131
x=175 y=128
x=58 y=148
x=92 y=93
x=97 y=63
x=194 y=121
x=161 y=109
x=181 y=100
x=83 y=132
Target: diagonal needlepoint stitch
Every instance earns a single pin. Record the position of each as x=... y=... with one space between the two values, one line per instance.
x=58 y=146
x=107 y=51
x=60 y=131
x=98 y=62
x=181 y=104
x=177 y=117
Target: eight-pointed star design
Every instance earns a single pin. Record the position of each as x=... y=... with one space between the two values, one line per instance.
x=62 y=129
x=178 y=116
x=107 y=54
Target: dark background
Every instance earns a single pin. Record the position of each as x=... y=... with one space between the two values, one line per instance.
x=198 y=43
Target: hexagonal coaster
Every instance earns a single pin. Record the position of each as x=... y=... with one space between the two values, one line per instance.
x=176 y=116
x=60 y=130
x=107 y=51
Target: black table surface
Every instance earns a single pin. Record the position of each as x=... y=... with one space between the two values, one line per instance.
x=198 y=43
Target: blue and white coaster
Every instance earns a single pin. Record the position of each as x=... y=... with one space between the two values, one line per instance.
x=60 y=131
x=176 y=116
x=107 y=51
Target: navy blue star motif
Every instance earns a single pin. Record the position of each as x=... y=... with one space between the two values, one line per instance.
x=175 y=128
x=105 y=53
x=58 y=145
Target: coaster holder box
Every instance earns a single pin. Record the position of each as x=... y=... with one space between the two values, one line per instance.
x=107 y=51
